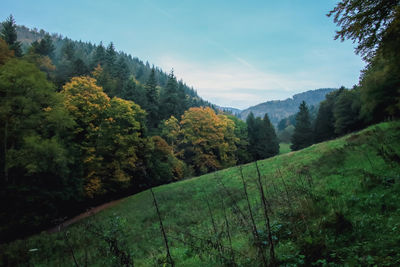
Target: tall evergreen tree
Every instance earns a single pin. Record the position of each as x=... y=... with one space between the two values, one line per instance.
x=134 y=92
x=68 y=50
x=184 y=105
x=271 y=140
x=9 y=34
x=303 y=133
x=79 y=68
x=263 y=142
x=152 y=100
x=99 y=55
x=121 y=69
x=324 y=128
x=45 y=47
x=111 y=55
x=170 y=102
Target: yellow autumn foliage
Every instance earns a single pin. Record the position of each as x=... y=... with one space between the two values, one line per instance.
x=209 y=138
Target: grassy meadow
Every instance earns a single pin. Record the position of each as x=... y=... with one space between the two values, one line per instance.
x=284 y=148
x=331 y=204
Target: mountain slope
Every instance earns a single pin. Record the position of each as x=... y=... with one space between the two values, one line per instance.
x=335 y=202
x=280 y=109
x=86 y=51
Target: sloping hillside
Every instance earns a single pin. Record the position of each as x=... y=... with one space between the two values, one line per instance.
x=280 y=109
x=85 y=51
x=332 y=203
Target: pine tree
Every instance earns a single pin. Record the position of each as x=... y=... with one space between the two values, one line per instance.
x=45 y=47
x=324 y=128
x=271 y=140
x=121 y=70
x=111 y=55
x=68 y=50
x=9 y=34
x=134 y=92
x=303 y=134
x=184 y=105
x=263 y=142
x=99 y=55
x=79 y=68
x=170 y=102
x=152 y=100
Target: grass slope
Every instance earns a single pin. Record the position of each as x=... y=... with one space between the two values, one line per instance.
x=284 y=148
x=331 y=204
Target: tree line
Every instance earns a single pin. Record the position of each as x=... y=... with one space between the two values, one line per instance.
x=80 y=130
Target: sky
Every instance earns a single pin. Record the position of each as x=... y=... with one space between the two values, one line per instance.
x=234 y=53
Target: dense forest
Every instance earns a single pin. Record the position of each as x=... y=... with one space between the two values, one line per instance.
x=82 y=124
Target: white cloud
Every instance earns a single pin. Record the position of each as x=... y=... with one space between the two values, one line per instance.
x=241 y=85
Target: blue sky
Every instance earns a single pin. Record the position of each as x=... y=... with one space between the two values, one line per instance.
x=233 y=52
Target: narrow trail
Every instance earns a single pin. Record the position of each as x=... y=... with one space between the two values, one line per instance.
x=83 y=215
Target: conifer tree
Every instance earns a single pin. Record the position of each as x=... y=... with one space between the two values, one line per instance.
x=99 y=55
x=9 y=34
x=170 y=102
x=111 y=55
x=134 y=92
x=263 y=142
x=184 y=105
x=45 y=47
x=152 y=100
x=324 y=128
x=68 y=50
x=271 y=140
x=303 y=134
x=121 y=70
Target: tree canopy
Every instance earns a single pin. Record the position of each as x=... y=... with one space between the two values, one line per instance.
x=365 y=22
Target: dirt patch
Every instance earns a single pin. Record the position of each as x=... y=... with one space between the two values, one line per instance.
x=81 y=216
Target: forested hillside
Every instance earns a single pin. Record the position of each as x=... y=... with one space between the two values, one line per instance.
x=72 y=58
x=280 y=109
x=82 y=124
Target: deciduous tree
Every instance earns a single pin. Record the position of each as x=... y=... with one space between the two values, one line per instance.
x=365 y=22
x=208 y=140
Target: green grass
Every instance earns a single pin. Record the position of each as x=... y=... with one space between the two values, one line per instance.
x=332 y=203
x=284 y=148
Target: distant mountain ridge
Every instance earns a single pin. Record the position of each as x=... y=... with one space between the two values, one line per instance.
x=280 y=109
x=234 y=111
